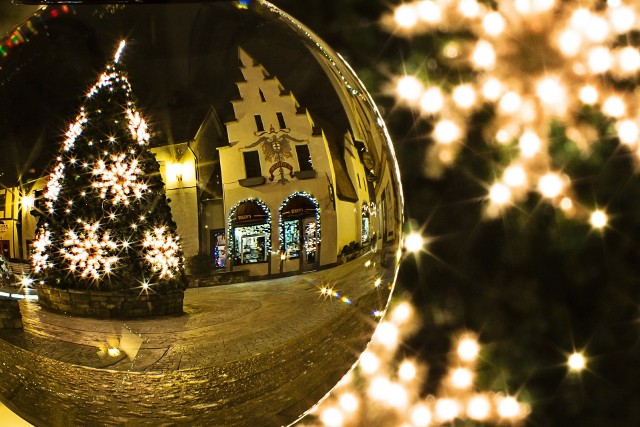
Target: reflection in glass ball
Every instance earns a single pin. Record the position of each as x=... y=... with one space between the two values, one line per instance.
x=202 y=216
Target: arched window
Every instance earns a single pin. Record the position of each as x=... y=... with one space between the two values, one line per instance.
x=300 y=228
x=249 y=232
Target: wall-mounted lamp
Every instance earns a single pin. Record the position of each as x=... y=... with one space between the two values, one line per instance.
x=28 y=202
x=175 y=171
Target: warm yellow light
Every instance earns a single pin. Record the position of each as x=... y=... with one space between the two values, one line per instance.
x=550 y=91
x=478 y=408
x=421 y=415
x=386 y=334
x=446 y=132
x=622 y=19
x=414 y=242
x=447 y=409
x=599 y=60
x=598 y=29
x=499 y=194
x=628 y=132
x=529 y=143
x=580 y=18
x=515 y=176
x=377 y=282
x=407 y=371
x=379 y=388
x=589 y=95
x=468 y=349
x=369 y=363
x=510 y=102
x=464 y=96
x=175 y=171
x=27 y=202
x=492 y=89
x=113 y=352
x=348 y=402
x=406 y=16
x=577 y=362
x=429 y=12
x=409 y=88
x=401 y=313
x=550 y=185
x=523 y=7
x=566 y=204
x=469 y=8
x=629 y=60
x=570 y=42
x=332 y=417
x=432 y=100
x=543 y=5
x=484 y=55
x=614 y=106
x=502 y=136
x=598 y=219
x=493 y=24
x=509 y=408
x=461 y=378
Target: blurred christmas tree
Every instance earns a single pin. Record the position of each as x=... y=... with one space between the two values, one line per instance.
x=527 y=191
x=106 y=223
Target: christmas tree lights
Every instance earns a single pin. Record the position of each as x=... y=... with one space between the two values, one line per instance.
x=106 y=222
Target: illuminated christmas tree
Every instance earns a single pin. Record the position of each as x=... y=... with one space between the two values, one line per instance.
x=105 y=222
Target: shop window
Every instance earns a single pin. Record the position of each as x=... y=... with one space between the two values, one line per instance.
x=251 y=243
x=292 y=239
x=281 y=121
x=259 y=124
x=300 y=228
x=366 y=225
x=304 y=157
x=252 y=164
x=250 y=232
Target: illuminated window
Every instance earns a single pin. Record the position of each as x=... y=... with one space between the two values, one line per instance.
x=366 y=224
x=250 y=233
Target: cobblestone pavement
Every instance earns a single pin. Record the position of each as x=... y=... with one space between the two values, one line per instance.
x=256 y=353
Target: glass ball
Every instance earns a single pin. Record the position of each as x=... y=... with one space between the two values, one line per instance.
x=202 y=215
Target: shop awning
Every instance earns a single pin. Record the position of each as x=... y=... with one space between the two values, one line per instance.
x=249 y=213
x=298 y=207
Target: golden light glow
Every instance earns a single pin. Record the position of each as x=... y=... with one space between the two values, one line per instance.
x=629 y=60
x=369 y=363
x=414 y=242
x=598 y=219
x=478 y=408
x=386 y=334
x=432 y=100
x=469 y=8
x=509 y=408
x=493 y=24
x=332 y=417
x=589 y=94
x=409 y=88
x=464 y=96
x=406 y=16
x=510 y=102
x=429 y=12
x=447 y=409
x=484 y=55
x=577 y=362
x=614 y=106
x=570 y=42
x=401 y=313
x=446 y=132
x=529 y=143
x=499 y=194
x=468 y=349
x=515 y=176
x=600 y=60
x=421 y=415
x=407 y=371
x=550 y=91
x=628 y=132
x=349 y=402
x=550 y=185
x=492 y=89
x=461 y=378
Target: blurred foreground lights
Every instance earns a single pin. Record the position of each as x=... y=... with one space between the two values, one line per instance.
x=349 y=403
x=447 y=409
x=598 y=220
x=588 y=95
x=432 y=101
x=461 y=378
x=386 y=334
x=429 y=11
x=493 y=24
x=550 y=185
x=464 y=96
x=406 y=16
x=550 y=91
x=515 y=176
x=468 y=349
x=332 y=417
x=577 y=362
x=478 y=408
x=409 y=88
x=401 y=313
x=446 y=132
x=421 y=415
x=614 y=106
x=407 y=371
x=529 y=143
x=509 y=408
x=628 y=132
x=369 y=362
x=414 y=242
x=484 y=55
x=499 y=194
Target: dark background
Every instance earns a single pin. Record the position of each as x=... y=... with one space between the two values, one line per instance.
x=535 y=286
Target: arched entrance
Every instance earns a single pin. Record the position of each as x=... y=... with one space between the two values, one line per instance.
x=249 y=233
x=299 y=233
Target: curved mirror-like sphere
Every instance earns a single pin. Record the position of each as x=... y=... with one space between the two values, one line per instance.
x=205 y=220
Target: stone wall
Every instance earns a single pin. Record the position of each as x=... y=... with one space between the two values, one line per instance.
x=109 y=304
x=10 y=317
x=216 y=279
